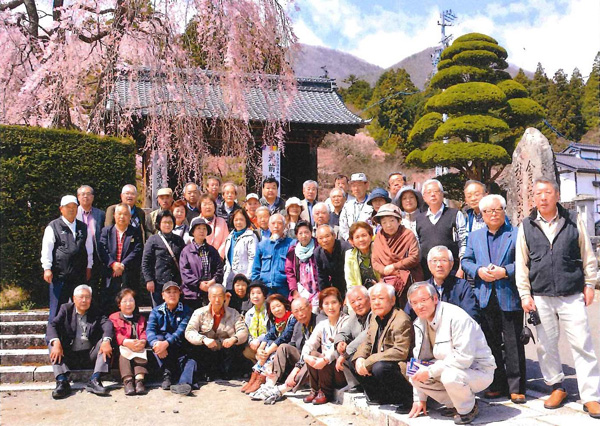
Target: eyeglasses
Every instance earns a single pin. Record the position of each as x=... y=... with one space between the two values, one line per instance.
x=442 y=261
x=433 y=191
x=295 y=311
x=421 y=302
x=492 y=211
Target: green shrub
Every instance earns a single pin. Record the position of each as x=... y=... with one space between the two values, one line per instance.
x=513 y=89
x=424 y=129
x=472 y=97
x=458 y=47
x=478 y=58
x=520 y=111
x=477 y=127
x=37 y=167
x=457 y=74
x=475 y=37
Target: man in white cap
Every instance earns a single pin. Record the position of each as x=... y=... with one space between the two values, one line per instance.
x=357 y=209
x=164 y=196
x=252 y=203
x=67 y=254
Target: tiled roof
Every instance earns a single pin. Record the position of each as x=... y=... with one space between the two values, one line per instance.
x=572 y=162
x=315 y=102
x=575 y=146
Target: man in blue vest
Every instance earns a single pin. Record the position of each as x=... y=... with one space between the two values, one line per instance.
x=556 y=272
x=67 y=254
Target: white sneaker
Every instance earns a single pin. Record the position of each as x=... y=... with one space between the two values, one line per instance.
x=262 y=393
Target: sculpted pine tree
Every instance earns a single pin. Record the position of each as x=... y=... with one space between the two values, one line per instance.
x=58 y=68
x=486 y=111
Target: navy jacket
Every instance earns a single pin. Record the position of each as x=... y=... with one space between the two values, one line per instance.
x=131 y=254
x=64 y=326
x=457 y=292
x=163 y=325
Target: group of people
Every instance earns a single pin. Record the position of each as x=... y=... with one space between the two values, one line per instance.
x=390 y=292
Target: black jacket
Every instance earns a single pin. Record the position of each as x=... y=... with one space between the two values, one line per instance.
x=330 y=267
x=157 y=263
x=131 y=255
x=64 y=326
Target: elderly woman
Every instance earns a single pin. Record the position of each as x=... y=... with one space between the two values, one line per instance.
x=293 y=208
x=130 y=333
x=182 y=226
x=319 y=352
x=240 y=248
x=256 y=320
x=358 y=267
x=396 y=255
x=281 y=329
x=201 y=266
x=377 y=198
x=262 y=219
x=217 y=237
x=301 y=266
x=410 y=203
x=160 y=261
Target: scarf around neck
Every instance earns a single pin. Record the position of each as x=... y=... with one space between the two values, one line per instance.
x=304 y=253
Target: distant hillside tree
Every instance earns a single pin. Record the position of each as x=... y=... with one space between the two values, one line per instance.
x=357 y=94
x=393 y=108
x=590 y=108
x=487 y=111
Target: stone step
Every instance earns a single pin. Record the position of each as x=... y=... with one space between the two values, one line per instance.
x=22 y=341
x=31 y=374
x=14 y=316
x=25 y=357
x=23 y=327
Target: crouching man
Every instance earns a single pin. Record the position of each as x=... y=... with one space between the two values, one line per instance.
x=453 y=359
x=79 y=337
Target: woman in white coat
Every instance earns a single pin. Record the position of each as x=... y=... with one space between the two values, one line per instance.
x=240 y=248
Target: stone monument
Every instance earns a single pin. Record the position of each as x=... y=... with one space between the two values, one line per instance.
x=532 y=159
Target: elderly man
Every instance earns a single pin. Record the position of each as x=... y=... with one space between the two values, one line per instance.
x=229 y=203
x=213 y=188
x=331 y=257
x=357 y=209
x=287 y=363
x=138 y=216
x=396 y=181
x=269 y=260
x=191 y=195
x=354 y=332
x=120 y=251
x=164 y=196
x=262 y=220
x=474 y=192
x=321 y=216
x=310 y=188
x=556 y=272
x=342 y=182
x=78 y=337
x=94 y=218
x=460 y=363
x=490 y=258
x=379 y=360
x=67 y=254
x=218 y=334
x=270 y=199
x=440 y=225
x=450 y=288
x=335 y=204
x=165 y=332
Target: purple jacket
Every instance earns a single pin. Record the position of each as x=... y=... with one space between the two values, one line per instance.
x=192 y=270
x=291 y=268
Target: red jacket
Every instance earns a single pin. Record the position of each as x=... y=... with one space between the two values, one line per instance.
x=123 y=328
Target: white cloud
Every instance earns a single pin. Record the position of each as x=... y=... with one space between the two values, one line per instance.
x=558 y=33
x=306 y=35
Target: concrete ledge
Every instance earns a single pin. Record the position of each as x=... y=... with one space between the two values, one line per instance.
x=12 y=316
x=22 y=341
x=23 y=327
x=23 y=356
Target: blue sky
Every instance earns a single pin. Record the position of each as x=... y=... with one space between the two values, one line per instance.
x=558 y=33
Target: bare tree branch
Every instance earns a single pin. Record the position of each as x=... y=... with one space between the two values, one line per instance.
x=11 y=4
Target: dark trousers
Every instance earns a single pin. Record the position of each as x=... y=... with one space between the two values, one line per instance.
x=194 y=304
x=221 y=362
x=386 y=385
x=61 y=291
x=178 y=364
x=504 y=328
x=77 y=360
x=111 y=286
x=133 y=367
x=326 y=379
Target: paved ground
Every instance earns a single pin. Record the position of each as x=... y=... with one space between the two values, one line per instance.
x=223 y=400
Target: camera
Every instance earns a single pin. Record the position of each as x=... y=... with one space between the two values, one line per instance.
x=534 y=318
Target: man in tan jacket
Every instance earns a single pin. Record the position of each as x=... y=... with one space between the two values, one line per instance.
x=381 y=359
x=218 y=334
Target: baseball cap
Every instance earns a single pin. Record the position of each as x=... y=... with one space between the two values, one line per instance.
x=252 y=195
x=68 y=199
x=170 y=284
x=164 y=191
x=358 y=177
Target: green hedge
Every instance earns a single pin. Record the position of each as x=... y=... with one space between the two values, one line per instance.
x=39 y=166
x=473 y=97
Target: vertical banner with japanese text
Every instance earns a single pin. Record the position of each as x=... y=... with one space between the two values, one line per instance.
x=271 y=165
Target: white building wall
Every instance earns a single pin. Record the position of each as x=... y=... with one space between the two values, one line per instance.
x=568 y=191
x=585 y=186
